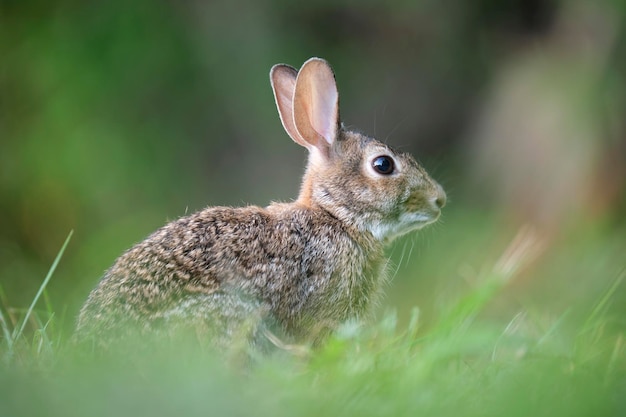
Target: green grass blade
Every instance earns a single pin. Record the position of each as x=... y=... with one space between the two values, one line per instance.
x=43 y=286
x=5 y=331
x=604 y=301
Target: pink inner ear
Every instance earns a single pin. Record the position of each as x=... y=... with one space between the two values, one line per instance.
x=324 y=108
x=316 y=103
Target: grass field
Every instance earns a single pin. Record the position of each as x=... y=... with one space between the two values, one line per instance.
x=495 y=346
x=117 y=116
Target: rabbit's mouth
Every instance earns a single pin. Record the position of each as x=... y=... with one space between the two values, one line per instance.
x=407 y=222
x=418 y=219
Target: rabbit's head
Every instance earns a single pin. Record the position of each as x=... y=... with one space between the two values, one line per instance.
x=355 y=178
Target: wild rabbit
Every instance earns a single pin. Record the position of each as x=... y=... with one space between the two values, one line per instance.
x=297 y=269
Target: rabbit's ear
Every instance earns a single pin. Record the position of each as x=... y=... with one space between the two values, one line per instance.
x=283 y=80
x=316 y=104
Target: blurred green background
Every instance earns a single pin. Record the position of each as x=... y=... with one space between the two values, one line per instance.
x=117 y=116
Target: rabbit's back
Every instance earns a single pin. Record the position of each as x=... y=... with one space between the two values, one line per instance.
x=301 y=267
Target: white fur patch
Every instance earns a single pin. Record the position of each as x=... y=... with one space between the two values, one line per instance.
x=406 y=223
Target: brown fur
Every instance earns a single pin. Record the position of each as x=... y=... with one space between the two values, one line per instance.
x=298 y=268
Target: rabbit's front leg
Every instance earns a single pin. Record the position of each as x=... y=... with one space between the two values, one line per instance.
x=228 y=319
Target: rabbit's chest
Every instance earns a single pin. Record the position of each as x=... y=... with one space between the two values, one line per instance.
x=337 y=289
x=355 y=286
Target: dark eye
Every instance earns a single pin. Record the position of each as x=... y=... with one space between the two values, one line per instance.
x=383 y=165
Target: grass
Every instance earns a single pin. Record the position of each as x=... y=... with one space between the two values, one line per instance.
x=462 y=362
x=13 y=335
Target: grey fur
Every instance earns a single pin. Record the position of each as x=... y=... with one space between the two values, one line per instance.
x=298 y=268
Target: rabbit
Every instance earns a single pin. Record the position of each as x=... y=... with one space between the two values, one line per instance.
x=292 y=270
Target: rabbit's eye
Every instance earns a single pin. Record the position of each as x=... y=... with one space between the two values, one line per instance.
x=383 y=165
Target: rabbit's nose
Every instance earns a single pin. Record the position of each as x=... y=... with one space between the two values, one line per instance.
x=440 y=199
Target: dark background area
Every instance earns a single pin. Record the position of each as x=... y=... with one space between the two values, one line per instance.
x=116 y=116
